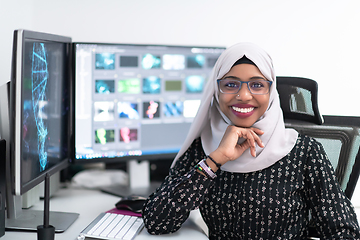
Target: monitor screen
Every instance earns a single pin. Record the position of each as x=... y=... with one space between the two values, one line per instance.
x=40 y=107
x=136 y=101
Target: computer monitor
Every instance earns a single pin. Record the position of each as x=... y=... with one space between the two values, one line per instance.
x=38 y=127
x=136 y=101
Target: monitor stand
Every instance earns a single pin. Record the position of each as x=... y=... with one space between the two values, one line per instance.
x=21 y=219
x=139 y=181
x=28 y=220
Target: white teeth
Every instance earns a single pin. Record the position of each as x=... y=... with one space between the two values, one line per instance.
x=243 y=110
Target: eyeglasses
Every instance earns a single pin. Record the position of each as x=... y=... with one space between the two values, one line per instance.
x=233 y=86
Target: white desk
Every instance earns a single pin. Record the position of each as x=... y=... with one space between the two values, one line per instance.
x=89 y=203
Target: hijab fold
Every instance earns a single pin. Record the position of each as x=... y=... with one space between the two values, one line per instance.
x=210 y=123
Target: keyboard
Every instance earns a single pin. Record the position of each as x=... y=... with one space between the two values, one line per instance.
x=113 y=226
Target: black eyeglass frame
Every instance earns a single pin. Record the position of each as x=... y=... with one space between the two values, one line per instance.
x=247 y=83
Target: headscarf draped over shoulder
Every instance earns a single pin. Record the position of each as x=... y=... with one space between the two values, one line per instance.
x=210 y=123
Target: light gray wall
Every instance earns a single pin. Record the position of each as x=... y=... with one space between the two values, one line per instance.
x=318 y=39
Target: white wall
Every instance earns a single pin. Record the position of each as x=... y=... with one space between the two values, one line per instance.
x=318 y=39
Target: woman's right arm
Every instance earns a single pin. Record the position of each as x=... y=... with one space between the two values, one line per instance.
x=182 y=191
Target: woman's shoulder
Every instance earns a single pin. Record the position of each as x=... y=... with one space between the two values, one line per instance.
x=304 y=146
x=305 y=140
x=197 y=142
x=308 y=145
x=195 y=147
x=191 y=156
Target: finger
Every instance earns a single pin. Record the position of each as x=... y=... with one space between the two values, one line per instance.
x=255 y=139
x=258 y=140
x=252 y=148
x=257 y=131
x=251 y=142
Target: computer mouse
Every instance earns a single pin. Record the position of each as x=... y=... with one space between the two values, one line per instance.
x=132 y=203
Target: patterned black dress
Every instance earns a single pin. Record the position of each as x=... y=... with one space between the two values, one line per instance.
x=273 y=203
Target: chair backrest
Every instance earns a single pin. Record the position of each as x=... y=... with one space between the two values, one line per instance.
x=341 y=144
x=340 y=135
x=350 y=169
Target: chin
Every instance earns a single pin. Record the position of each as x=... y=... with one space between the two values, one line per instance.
x=243 y=124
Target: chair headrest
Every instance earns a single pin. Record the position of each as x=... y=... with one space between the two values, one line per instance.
x=299 y=99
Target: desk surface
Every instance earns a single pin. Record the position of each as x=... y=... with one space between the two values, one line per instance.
x=89 y=203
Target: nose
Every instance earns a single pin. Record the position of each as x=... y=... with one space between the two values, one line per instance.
x=244 y=94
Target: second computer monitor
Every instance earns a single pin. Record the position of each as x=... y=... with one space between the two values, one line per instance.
x=136 y=101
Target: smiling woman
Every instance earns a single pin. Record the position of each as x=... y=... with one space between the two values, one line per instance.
x=250 y=177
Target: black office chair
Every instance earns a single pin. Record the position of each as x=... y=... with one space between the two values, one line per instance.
x=339 y=135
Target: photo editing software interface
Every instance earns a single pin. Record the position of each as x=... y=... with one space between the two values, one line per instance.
x=138 y=100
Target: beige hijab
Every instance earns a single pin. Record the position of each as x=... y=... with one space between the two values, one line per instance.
x=210 y=123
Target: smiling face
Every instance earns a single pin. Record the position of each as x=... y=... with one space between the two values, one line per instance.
x=244 y=109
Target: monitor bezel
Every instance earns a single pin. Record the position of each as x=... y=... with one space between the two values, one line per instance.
x=15 y=120
x=151 y=157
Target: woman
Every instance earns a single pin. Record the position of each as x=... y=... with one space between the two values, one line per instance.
x=250 y=177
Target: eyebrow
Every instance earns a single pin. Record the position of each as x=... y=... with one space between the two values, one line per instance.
x=252 y=78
